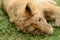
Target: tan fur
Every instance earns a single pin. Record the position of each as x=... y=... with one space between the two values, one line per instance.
x=28 y=15
x=51 y=12
x=0 y=3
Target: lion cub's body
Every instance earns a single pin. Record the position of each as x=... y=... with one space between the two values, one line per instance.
x=28 y=15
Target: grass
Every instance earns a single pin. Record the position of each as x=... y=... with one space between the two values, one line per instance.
x=9 y=32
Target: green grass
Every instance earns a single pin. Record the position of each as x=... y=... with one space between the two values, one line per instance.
x=9 y=32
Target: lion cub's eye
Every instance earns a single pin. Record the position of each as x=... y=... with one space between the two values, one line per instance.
x=39 y=19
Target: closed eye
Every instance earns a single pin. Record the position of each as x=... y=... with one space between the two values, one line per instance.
x=39 y=19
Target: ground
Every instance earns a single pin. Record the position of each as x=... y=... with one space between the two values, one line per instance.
x=9 y=32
